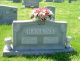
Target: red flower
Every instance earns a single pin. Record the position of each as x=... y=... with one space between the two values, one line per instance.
x=42 y=13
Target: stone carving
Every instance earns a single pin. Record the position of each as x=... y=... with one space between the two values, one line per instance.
x=8 y=43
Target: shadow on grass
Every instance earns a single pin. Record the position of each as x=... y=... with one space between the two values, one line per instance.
x=63 y=56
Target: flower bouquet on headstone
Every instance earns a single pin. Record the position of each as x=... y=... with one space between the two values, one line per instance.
x=42 y=14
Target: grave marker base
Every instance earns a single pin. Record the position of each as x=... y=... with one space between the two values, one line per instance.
x=35 y=51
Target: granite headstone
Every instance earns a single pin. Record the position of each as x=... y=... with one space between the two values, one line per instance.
x=58 y=1
x=49 y=0
x=52 y=9
x=29 y=37
x=70 y=1
x=16 y=1
x=30 y=3
x=7 y=14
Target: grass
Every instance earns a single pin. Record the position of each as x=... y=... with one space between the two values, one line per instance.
x=64 y=11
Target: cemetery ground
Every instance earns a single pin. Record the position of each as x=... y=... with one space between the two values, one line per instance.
x=65 y=11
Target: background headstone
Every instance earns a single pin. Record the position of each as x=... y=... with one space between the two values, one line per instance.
x=16 y=1
x=49 y=0
x=7 y=14
x=30 y=3
x=9 y=0
x=58 y=1
x=70 y=1
x=52 y=9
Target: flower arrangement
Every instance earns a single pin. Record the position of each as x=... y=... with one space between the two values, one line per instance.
x=42 y=14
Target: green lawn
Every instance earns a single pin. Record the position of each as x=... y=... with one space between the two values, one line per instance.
x=64 y=11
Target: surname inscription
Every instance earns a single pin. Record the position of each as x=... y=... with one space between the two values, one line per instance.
x=38 y=31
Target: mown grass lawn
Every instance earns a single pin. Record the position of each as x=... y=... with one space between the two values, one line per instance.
x=64 y=11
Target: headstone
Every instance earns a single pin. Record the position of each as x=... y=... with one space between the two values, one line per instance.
x=29 y=37
x=9 y=0
x=52 y=9
x=70 y=1
x=49 y=0
x=58 y=1
x=30 y=3
x=7 y=14
x=16 y=1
